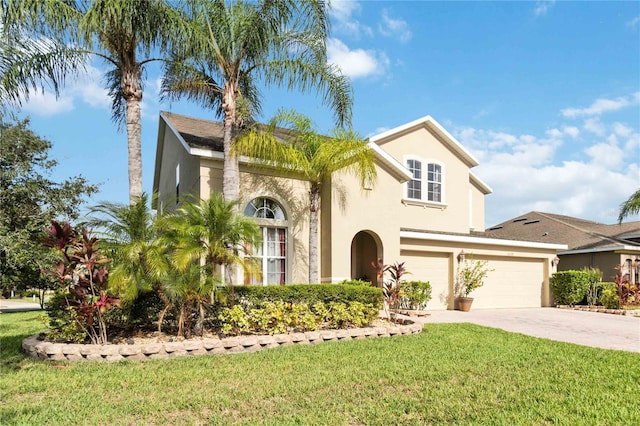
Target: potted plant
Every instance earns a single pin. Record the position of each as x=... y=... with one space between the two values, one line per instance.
x=414 y=296
x=471 y=275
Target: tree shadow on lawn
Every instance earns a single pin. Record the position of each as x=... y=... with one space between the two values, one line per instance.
x=14 y=328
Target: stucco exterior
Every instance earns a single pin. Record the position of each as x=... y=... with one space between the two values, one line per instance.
x=359 y=226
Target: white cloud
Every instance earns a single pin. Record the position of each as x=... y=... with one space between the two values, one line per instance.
x=528 y=172
x=594 y=125
x=602 y=105
x=542 y=7
x=86 y=88
x=622 y=130
x=357 y=62
x=571 y=131
x=46 y=105
x=633 y=22
x=394 y=27
x=343 y=14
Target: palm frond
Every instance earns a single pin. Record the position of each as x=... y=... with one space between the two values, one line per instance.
x=630 y=207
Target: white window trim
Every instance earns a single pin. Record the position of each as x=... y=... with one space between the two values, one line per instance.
x=424 y=192
x=276 y=223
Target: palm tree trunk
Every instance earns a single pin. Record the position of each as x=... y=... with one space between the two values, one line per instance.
x=230 y=170
x=167 y=306
x=314 y=201
x=132 y=91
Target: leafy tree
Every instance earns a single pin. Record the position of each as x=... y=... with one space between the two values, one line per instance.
x=124 y=33
x=630 y=207
x=237 y=45
x=29 y=201
x=314 y=156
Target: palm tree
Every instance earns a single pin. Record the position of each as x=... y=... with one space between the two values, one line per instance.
x=315 y=157
x=237 y=45
x=630 y=207
x=124 y=33
x=131 y=240
x=210 y=231
x=188 y=289
x=28 y=64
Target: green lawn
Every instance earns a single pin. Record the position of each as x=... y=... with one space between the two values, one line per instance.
x=451 y=373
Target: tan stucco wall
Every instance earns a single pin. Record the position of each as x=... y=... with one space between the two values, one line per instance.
x=172 y=155
x=353 y=210
x=455 y=215
x=477 y=209
x=292 y=194
x=384 y=210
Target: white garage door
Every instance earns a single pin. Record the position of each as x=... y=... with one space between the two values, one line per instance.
x=432 y=267
x=512 y=283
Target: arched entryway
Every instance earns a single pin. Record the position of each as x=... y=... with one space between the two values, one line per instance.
x=366 y=247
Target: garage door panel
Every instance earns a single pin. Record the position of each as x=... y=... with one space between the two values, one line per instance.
x=511 y=284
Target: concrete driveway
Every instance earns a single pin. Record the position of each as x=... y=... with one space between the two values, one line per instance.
x=18 y=306
x=583 y=328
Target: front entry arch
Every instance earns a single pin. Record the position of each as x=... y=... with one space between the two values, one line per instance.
x=366 y=247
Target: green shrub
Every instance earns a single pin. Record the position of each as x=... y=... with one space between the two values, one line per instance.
x=609 y=295
x=302 y=293
x=570 y=287
x=282 y=317
x=356 y=282
x=62 y=321
x=415 y=294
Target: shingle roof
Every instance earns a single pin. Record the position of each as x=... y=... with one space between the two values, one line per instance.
x=578 y=234
x=207 y=134
x=196 y=132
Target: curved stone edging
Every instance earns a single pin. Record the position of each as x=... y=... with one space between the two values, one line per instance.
x=41 y=349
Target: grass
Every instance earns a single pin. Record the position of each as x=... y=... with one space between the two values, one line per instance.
x=451 y=373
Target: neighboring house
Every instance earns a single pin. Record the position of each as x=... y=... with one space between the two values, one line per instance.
x=425 y=209
x=590 y=244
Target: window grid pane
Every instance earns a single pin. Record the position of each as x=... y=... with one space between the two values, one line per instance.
x=414 y=186
x=434 y=183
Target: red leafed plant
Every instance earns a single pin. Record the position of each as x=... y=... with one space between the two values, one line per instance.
x=83 y=271
x=392 y=288
x=628 y=292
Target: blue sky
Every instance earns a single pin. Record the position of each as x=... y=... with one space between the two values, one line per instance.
x=545 y=94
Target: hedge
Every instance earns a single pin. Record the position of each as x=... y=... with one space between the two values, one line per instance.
x=304 y=293
x=570 y=287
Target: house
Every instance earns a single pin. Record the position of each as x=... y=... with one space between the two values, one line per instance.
x=590 y=244
x=426 y=209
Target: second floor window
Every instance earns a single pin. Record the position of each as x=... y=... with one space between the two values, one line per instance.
x=434 y=183
x=427 y=182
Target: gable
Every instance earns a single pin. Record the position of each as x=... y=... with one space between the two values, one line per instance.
x=434 y=131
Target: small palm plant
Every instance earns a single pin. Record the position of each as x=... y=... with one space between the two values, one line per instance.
x=130 y=237
x=210 y=231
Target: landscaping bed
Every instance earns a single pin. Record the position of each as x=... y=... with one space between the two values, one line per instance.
x=35 y=346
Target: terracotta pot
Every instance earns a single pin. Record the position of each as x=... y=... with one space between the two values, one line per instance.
x=464 y=303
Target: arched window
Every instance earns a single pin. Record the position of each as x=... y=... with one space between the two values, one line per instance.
x=271 y=255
